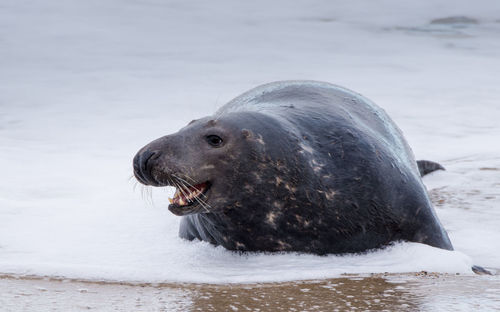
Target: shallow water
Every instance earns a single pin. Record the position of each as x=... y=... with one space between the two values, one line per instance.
x=100 y=79
x=416 y=292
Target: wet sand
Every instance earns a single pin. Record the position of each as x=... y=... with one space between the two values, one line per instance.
x=410 y=292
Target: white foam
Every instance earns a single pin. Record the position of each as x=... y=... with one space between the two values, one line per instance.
x=202 y=263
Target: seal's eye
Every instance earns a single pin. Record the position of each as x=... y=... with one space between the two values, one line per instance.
x=214 y=140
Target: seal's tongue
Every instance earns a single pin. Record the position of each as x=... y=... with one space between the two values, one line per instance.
x=186 y=195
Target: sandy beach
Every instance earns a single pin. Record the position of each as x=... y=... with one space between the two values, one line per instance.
x=413 y=292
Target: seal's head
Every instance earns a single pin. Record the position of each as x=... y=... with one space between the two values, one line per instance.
x=214 y=163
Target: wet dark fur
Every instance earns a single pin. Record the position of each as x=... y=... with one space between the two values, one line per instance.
x=305 y=166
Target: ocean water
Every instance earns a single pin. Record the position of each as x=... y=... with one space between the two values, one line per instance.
x=85 y=84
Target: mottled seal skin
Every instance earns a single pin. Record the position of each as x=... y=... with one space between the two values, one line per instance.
x=302 y=166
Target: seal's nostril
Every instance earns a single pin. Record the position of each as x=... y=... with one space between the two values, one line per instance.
x=137 y=168
x=149 y=162
x=143 y=165
x=143 y=162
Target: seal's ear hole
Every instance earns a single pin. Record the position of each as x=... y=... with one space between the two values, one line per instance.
x=246 y=133
x=214 y=140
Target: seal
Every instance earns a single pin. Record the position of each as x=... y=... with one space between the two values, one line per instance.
x=300 y=166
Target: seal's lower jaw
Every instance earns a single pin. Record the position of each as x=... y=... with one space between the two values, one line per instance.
x=189 y=199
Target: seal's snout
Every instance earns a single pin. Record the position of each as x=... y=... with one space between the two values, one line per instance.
x=144 y=162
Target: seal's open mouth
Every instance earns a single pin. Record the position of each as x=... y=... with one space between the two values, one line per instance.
x=189 y=195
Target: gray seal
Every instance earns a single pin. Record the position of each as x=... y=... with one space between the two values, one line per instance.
x=295 y=166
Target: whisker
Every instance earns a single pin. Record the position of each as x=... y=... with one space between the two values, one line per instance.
x=202 y=201
x=147 y=194
x=146 y=190
x=187 y=177
x=135 y=185
x=189 y=184
x=182 y=191
x=184 y=187
x=172 y=183
x=198 y=200
x=204 y=204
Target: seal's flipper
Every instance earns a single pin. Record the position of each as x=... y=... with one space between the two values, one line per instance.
x=427 y=166
x=480 y=270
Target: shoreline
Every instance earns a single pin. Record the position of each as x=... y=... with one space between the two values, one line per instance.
x=417 y=291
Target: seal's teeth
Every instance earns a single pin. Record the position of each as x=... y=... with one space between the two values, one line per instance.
x=188 y=195
x=181 y=202
x=193 y=195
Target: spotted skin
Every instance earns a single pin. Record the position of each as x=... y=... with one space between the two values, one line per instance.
x=304 y=166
